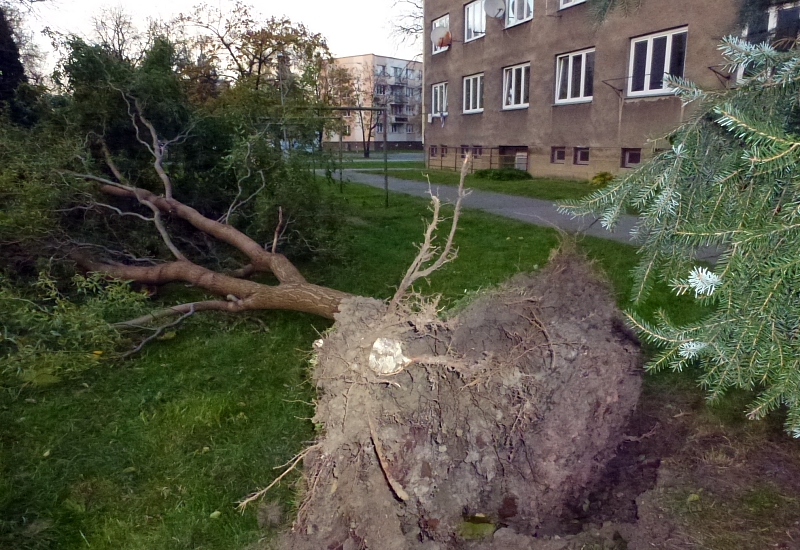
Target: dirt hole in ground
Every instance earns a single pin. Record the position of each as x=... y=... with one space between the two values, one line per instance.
x=495 y=429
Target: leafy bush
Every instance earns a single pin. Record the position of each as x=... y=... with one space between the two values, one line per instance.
x=601 y=179
x=502 y=174
x=45 y=334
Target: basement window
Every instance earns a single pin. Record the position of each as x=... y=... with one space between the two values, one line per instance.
x=581 y=155
x=558 y=155
x=631 y=158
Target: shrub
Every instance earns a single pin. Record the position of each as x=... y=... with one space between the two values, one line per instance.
x=601 y=179
x=502 y=174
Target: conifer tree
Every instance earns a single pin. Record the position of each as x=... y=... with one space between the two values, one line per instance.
x=731 y=180
x=11 y=69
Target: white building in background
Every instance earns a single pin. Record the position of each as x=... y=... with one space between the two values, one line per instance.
x=382 y=81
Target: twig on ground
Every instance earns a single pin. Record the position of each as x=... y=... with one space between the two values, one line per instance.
x=158 y=332
x=242 y=504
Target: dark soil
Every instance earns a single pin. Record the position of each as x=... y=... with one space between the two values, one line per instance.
x=507 y=419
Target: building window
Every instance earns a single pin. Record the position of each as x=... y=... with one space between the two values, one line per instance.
x=777 y=25
x=569 y=3
x=397 y=72
x=396 y=127
x=518 y=11
x=433 y=152
x=444 y=150
x=473 y=93
x=409 y=128
x=516 y=85
x=477 y=151
x=474 y=21
x=380 y=89
x=379 y=128
x=443 y=21
x=464 y=151
x=631 y=158
x=652 y=58
x=380 y=70
x=575 y=77
x=558 y=155
x=581 y=155
x=409 y=109
x=439 y=99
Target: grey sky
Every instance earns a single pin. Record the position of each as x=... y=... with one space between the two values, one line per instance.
x=351 y=28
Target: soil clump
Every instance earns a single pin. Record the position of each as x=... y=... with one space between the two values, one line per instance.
x=492 y=429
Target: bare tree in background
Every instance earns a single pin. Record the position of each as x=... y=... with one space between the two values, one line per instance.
x=116 y=32
x=409 y=22
x=365 y=88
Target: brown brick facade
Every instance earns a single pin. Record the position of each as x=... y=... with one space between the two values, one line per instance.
x=614 y=120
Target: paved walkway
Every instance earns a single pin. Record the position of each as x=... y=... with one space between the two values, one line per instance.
x=534 y=211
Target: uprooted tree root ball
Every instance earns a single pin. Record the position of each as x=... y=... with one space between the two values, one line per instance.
x=499 y=418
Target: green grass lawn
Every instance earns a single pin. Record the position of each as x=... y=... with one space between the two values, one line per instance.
x=550 y=189
x=141 y=454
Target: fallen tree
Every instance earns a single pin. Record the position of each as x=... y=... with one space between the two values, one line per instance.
x=501 y=418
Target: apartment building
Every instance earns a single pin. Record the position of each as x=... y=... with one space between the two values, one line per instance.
x=545 y=88
x=381 y=81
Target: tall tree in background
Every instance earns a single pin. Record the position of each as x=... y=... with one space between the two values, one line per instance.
x=408 y=22
x=12 y=73
x=731 y=181
x=369 y=90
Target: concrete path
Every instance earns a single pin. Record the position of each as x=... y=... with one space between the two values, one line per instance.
x=534 y=211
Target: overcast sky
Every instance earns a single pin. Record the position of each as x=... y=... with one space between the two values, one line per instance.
x=351 y=28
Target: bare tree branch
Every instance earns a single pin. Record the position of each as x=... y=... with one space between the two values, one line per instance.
x=145 y=198
x=94 y=205
x=246 y=294
x=182 y=309
x=262 y=260
x=158 y=332
x=427 y=251
x=278 y=231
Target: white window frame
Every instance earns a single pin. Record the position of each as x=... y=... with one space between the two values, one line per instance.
x=409 y=128
x=569 y=59
x=474 y=21
x=474 y=83
x=439 y=99
x=512 y=12
x=564 y=4
x=626 y=154
x=443 y=21
x=647 y=91
x=576 y=154
x=511 y=85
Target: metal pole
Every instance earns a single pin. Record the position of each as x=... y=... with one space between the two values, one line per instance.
x=341 y=184
x=386 y=153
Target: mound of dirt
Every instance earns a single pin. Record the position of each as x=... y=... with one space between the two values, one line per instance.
x=496 y=423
